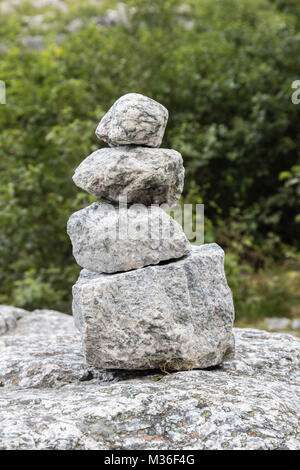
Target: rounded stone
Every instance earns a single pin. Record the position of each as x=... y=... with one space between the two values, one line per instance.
x=134 y=119
x=142 y=175
x=108 y=239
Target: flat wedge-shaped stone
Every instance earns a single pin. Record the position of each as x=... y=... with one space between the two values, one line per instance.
x=176 y=315
x=134 y=119
x=108 y=239
x=142 y=175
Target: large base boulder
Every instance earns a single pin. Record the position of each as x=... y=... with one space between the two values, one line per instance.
x=50 y=401
x=176 y=316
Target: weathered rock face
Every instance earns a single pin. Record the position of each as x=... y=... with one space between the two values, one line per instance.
x=144 y=175
x=109 y=239
x=9 y=317
x=40 y=349
x=134 y=119
x=250 y=403
x=178 y=315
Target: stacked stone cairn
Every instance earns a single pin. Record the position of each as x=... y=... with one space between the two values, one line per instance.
x=146 y=298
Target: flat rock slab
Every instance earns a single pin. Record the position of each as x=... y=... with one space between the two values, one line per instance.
x=142 y=175
x=134 y=119
x=176 y=315
x=9 y=317
x=42 y=350
x=251 y=402
x=109 y=239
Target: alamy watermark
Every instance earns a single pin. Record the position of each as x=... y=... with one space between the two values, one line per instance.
x=140 y=222
x=2 y=92
x=296 y=95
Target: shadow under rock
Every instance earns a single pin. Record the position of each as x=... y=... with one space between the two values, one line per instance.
x=118 y=375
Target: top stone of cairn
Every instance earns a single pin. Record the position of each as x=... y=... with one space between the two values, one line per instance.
x=133 y=119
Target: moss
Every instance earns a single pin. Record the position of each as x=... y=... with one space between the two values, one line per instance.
x=176 y=365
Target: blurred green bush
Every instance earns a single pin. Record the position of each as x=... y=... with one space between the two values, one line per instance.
x=224 y=70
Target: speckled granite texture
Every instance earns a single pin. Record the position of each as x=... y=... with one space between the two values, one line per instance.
x=178 y=314
x=48 y=400
x=134 y=119
x=143 y=175
x=108 y=239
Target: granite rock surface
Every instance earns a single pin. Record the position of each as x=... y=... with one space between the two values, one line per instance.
x=133 y=119
x=9 y=317
x=251 y=402
x=109 y=239
x=142 y=175
x=177 y=315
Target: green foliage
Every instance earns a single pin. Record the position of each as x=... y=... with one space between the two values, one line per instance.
x=261 y=285
x=266 y=293
x=227 y=84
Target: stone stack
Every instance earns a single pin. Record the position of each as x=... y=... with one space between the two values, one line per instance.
x=146 y=298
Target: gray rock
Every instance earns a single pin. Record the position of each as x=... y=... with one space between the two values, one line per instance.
x=277 y=323
x=177 y=315
x=134 y=119
x=57 y=4
x=75 y=25
x=37 y=21
x=3 y=48
x=9 y=6
x=289 y=325
x=295 y=324
x=9 y=317
x=121 y=15
x=42 y=350
x=144 y=175
x=250 y=403
x=33 y=42
x=108 y=239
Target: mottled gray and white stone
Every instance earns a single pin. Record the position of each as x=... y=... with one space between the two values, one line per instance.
x=252 y=402
x=42 y=350
x=178 y=314
x=141 y=174
x=9 y=317
x=108 y=239
x=133 y=119
x=274 y=323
